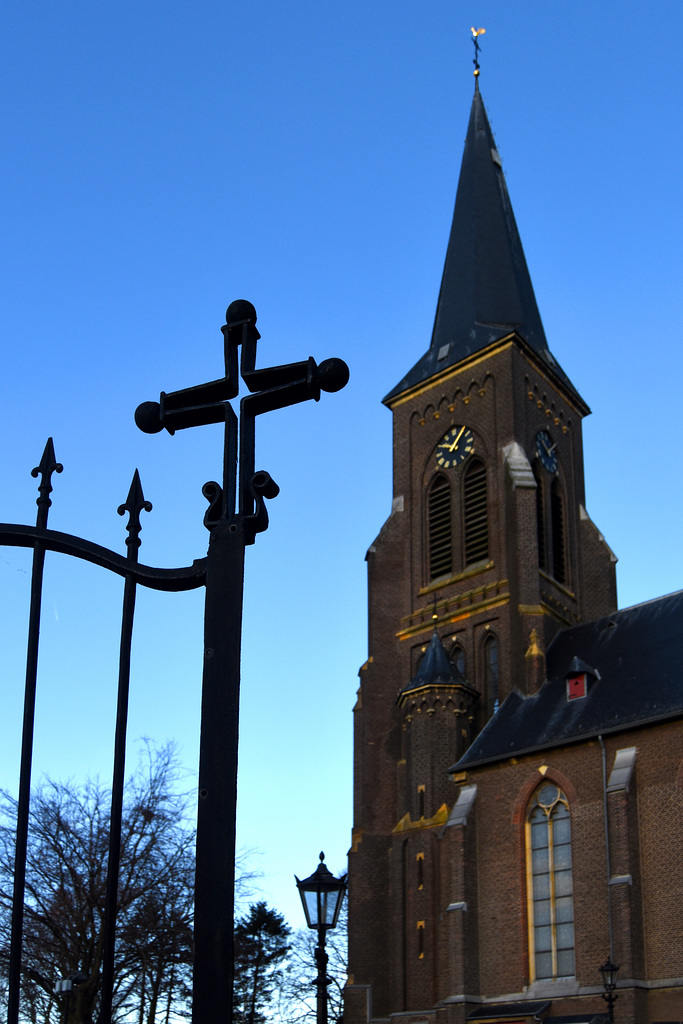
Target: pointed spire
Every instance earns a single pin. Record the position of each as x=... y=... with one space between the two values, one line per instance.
x=435 y=669
x=486 y=291
x=535 y=664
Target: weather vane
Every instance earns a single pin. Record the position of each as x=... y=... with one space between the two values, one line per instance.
x=476 y=32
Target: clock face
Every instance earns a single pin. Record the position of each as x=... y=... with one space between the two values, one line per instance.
x=454 y=447
x=546 y=450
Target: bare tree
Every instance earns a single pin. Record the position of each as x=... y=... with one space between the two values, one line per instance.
x=65 y=893
x=297 y=993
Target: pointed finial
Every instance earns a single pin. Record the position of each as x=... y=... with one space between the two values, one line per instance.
x=534 y=649
x=47 y=466
x=134 y=504
x=476 y=32
x=435 y=614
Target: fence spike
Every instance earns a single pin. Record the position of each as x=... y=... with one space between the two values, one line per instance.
x=46 y=467
x=134 y=504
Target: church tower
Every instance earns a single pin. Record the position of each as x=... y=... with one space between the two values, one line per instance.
x=487 y=553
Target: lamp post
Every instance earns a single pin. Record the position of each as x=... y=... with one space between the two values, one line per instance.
x=322 y=896
x=609 y=980
x=67 y=985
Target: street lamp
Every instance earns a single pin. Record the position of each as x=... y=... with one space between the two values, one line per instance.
x=609 y=980
x=322 y=896
x=67 y=985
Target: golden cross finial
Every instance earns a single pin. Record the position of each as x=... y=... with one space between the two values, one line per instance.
x=476 y=32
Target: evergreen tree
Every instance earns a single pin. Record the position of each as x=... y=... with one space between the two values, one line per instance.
x=261 y=944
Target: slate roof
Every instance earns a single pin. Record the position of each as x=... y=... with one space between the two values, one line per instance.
x=486 y=291
x=435 y=669
x=637 y=655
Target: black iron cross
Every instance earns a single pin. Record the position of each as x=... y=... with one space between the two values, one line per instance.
x=273 y=387
x=236 y=513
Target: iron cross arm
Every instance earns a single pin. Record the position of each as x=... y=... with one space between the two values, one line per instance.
x=272 y=387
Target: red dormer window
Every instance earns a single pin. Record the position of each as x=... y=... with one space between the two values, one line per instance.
x=577 y=686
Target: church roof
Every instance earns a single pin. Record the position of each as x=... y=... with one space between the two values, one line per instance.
x=486 y=292
x=435 y=669
x=637 y=664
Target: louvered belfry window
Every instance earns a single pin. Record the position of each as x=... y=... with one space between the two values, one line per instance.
x=557 y=522
x=476 y=513
x=440 y=530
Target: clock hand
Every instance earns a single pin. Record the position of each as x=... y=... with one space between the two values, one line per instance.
x=552 y=449
x=453 y=446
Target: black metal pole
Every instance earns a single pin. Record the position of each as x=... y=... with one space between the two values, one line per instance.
x=610 y=999
x=14 y=985
x=215 y=874
x=114 y=860
x=48 y=465
x=321 y=960
x=134 y=504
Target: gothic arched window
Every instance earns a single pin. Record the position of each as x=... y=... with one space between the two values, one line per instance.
x=458 y=659
x=549 y=870
x=439 y=527
x=475 y=508
x=540 y=520
x=491 y=674
x=557 y=525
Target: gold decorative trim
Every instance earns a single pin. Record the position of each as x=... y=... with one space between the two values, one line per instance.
x=451 y=371
x=459 y=613
x=509 y=341
x=564 y=590
x=534 y=650
x=467 y=574
x=530 y=609
x=406 y=824
x=356 y=837
x=558 y=611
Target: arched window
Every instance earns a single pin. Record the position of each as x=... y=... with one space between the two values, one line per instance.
x=540 y=520
x=491 y=674
x=439 y=527
x=475 y=506
x=557 y=524
x=458 y=659
x=549 y=871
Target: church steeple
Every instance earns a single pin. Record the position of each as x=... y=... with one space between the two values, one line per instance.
x=487 y=554
x=486 y=292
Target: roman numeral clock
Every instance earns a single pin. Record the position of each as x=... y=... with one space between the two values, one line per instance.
x=454 y=447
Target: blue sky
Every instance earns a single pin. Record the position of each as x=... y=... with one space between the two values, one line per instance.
x=163 y=159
